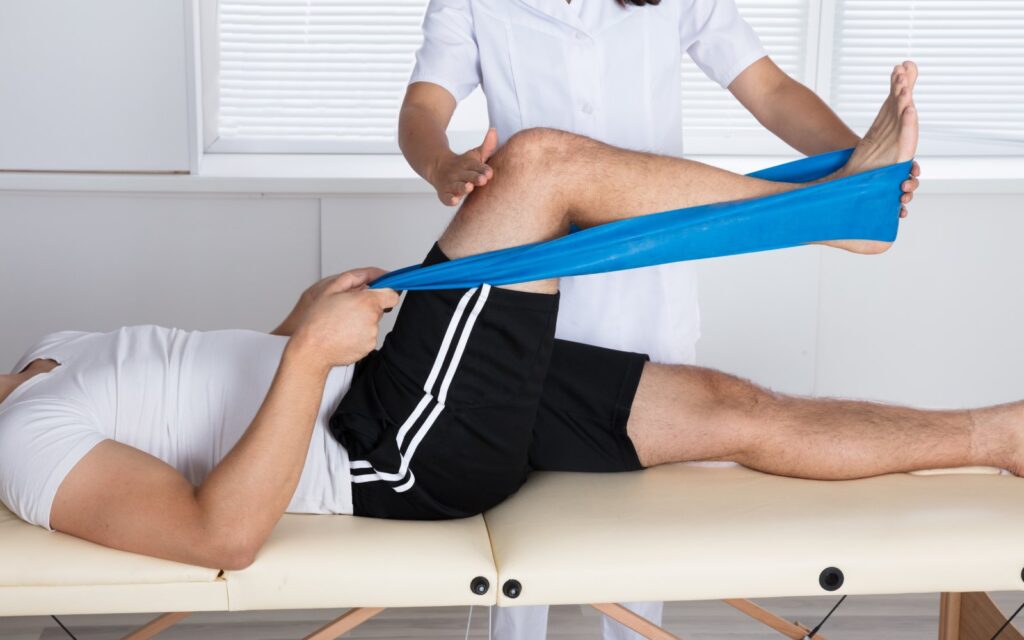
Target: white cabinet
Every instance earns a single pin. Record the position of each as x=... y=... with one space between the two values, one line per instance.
x=93 y=86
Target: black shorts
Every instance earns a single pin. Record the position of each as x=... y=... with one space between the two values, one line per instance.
x=470 y=392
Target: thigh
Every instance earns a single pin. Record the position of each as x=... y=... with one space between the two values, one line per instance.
x=437 y=424
x=604 y=410
x=683 y=413
x=585 y=408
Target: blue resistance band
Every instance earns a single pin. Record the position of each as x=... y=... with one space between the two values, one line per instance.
x=861 y=207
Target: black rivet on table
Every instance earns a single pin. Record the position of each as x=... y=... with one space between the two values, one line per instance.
x=480 y=585
x=512 y=589
x=831 y=579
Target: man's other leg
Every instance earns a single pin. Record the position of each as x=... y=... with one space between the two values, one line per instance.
x=683 y=413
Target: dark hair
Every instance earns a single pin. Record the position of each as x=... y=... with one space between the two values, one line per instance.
x=638 y=3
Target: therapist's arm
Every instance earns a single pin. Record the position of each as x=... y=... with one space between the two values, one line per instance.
x=797 y=115
x=422 y=122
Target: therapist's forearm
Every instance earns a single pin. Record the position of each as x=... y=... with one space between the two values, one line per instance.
x=803 y=120
x=422 y=139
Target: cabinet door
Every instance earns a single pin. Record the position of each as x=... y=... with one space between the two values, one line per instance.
x=93 y=86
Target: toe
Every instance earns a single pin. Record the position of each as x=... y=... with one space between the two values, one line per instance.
x=911 y=70
x=907 y=145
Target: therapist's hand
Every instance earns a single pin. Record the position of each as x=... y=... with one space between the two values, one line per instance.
x=455 y=176
x=909 y=186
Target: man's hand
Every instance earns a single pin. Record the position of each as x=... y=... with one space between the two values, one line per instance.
x=340 y=325
x=455 y=176
x=366 y=275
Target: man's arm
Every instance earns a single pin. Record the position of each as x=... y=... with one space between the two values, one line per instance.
x=121 y=497
x=797 y=115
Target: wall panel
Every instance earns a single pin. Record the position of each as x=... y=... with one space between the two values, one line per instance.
x=93 y=86
x=99 y=262
x=937 y=321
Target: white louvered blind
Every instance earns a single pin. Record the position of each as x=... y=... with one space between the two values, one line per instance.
x=971 y=57
x=308 y=76
x=711 y=115
x=313 y=75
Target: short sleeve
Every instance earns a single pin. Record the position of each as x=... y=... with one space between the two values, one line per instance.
x=719 y=40
x=449 y=56
x=40 y=442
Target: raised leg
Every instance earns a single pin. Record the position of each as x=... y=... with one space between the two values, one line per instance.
x=545 y=180
x=684 y=413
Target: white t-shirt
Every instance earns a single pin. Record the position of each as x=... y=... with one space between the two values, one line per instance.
x=609 y=73
x=185 y=397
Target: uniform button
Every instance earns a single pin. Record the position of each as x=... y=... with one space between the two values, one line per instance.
x=587 y=108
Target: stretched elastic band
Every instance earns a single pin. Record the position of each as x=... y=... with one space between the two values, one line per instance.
x=861 y=207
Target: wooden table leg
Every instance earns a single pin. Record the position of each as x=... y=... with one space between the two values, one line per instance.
x=637 y=623
x=352 y=619
x=157 y=625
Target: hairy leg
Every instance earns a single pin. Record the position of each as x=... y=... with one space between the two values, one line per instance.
x=684 y=413
x=544 y=180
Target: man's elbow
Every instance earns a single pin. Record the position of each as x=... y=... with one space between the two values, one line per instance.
x=231 y=547
x=231 y=553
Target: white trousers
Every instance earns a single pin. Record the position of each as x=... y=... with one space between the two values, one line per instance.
x=531 y=623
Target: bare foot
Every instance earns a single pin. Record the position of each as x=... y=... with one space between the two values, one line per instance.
x=891 y=139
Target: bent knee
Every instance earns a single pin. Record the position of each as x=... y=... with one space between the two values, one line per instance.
x=535 y=148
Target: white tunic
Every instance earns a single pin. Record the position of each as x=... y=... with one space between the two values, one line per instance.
x=185 y=397
x=609 y=73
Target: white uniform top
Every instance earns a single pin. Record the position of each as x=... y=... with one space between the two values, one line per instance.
x=609 y=73
x=185 y=397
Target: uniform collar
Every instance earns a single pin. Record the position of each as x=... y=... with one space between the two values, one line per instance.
x=592 y=20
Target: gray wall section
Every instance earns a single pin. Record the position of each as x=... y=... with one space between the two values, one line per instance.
x=99 y=262
x=934 y=322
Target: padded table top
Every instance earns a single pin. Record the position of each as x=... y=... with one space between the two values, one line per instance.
x=44 y=572
x=686 y=532
x=309 y=562
x=342 y=561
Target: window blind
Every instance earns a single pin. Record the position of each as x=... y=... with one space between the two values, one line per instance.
x=971 y=57
x=307 y=76
x=709 y=110
x=313 y=75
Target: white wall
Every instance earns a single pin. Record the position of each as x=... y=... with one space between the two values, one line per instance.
x=933 y=322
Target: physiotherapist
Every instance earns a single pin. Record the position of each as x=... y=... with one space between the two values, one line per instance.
x=609 y=70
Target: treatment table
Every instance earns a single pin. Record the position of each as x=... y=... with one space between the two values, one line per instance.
x=695 y=532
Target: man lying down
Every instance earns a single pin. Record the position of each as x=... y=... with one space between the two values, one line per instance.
x=190 y=445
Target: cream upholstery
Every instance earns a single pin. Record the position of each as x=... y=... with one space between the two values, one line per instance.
x=331 y=561
x=43 y=572
x=693 y=532
x=708 y=533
